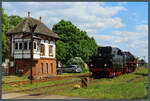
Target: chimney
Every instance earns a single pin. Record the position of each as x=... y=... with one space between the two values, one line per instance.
x=28 y=14
x=40 y=18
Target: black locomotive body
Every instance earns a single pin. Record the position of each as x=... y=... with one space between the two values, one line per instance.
x=111 y=62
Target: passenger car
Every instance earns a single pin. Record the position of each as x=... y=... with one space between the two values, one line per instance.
x=72 y=69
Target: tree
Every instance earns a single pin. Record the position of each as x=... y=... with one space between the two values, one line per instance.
x=76 y=61
x=14 y=20
x=5 y=27
x=73 y=42
x=7 y=23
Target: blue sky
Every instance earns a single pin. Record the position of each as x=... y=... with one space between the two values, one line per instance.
x=118 y=24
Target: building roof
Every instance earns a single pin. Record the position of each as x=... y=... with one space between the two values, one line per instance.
x=41 y=28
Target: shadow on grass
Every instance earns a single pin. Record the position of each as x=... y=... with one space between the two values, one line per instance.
x=142 y=74
x=35 y=94
x=144 y=98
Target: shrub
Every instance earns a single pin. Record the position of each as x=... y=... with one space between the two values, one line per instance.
x=77 y=61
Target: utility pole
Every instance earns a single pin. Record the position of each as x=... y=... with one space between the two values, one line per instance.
x=32 y=29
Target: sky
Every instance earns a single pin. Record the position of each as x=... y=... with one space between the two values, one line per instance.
x=117 y=24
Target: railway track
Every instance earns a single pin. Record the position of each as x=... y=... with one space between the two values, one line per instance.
x=46 y=79
x=50 y=79
x=54 y=85
x=57 y=85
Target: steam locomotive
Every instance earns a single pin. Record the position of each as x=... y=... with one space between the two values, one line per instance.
x=111 y=62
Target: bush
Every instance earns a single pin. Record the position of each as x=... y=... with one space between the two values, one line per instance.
x=78 y=61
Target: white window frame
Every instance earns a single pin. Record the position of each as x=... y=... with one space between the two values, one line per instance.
x=51 y=54
x=27 y=45
x=42 y=41
x=17 y=45
x=51 y=43
x=43 y=49
x=36 y=44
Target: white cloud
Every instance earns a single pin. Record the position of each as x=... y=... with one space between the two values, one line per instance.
x=7 y=5
x=143 y=28
x=125 y=35
x=108 y=38
x=95 y=15
x=137 y=41
x=108 y=11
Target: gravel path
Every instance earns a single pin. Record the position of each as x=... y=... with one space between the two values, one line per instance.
x=35 y=96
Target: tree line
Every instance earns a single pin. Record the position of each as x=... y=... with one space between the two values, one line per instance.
x=8 y=22
x=73 y=41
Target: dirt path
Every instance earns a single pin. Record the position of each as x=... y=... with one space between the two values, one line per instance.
x=35 y=96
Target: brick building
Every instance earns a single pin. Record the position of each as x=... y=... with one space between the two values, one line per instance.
x=33 y=44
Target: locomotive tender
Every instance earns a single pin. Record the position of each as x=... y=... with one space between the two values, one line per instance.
x=111 y=62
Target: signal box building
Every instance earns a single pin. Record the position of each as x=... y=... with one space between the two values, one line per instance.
x=32 y=45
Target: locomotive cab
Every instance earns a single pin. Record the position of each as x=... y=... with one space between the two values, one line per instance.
x=107 y=58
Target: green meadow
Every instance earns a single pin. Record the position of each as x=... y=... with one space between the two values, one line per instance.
x=127 y=86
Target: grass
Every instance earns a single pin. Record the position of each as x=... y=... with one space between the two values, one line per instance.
x=71 y=74
x=13 y=78
x=10 y=88
x=106 y=88
x=114 y=88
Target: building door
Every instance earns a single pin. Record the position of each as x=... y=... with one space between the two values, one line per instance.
x=16 y=67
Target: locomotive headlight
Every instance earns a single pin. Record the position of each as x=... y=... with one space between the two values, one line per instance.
x=105 y=65
x=91 y=65
x=110 y=60
x=100 y=54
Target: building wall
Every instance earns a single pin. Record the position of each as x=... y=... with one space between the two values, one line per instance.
x=25 y=65
x=46 y=44
x=22 y=58
x=44 y=61
x=26 y=54
x=19 y=54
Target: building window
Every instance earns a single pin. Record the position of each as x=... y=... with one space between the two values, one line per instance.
x=41 y=67
x=51 y=67
x=35 y=45
x=42 y=49
x=29 y=45
x=46 y=67
x=16 y=45
x=20 y=45
x=26 y=45
x=51 y=50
